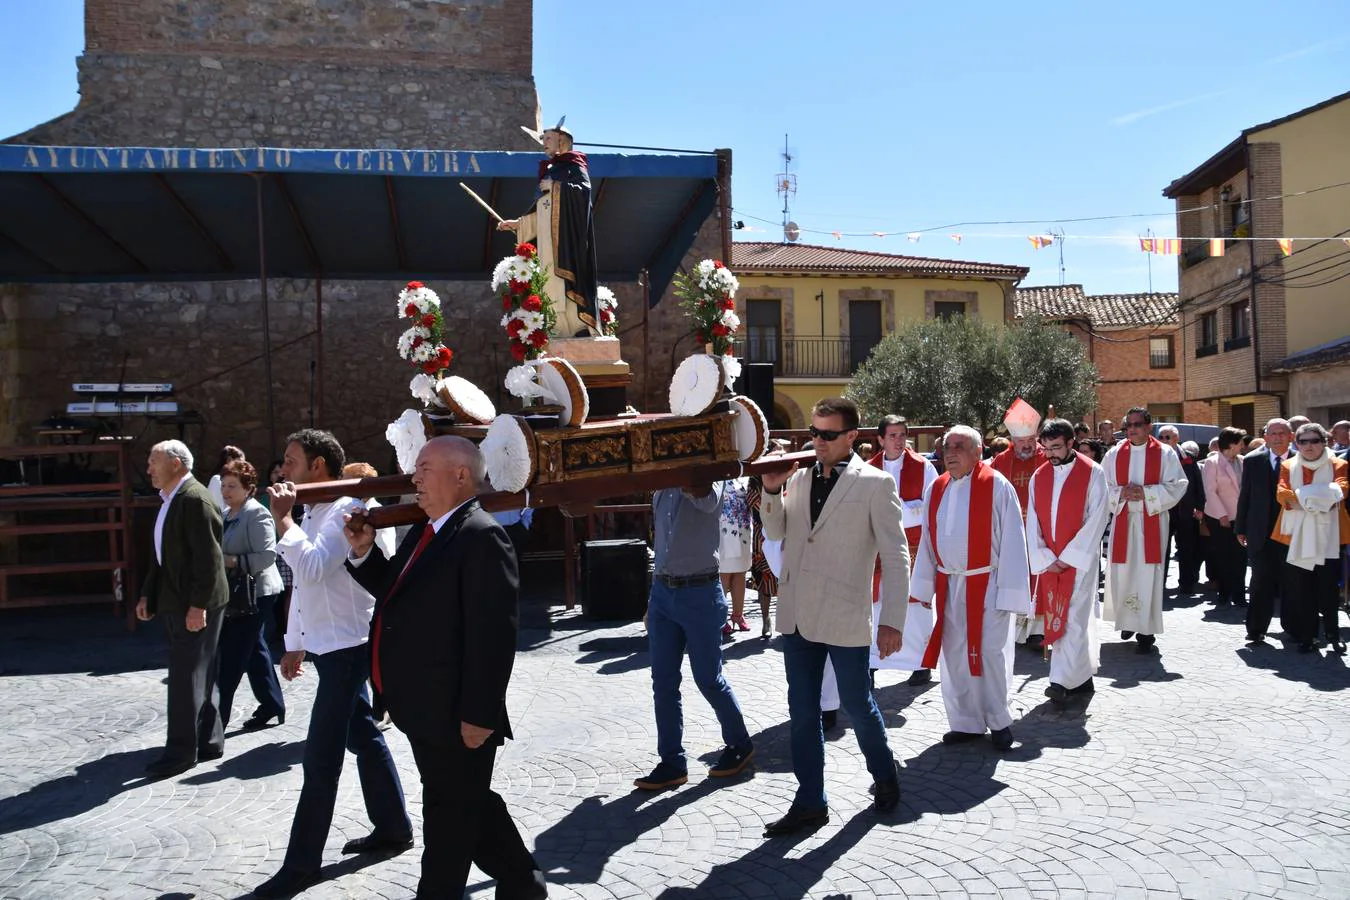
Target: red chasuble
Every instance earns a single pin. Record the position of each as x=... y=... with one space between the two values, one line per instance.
x=1120 y=541
x=911 y=488
x=1054 y=589
x=1019 y=472
x=979 y=550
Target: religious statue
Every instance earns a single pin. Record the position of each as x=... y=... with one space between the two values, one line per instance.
x=560 y=225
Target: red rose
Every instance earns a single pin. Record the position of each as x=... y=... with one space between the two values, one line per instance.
x=507 y=304
x=428 y=320
x=720 y=330
x=410 y=310
x=431 y=366
x=518 y=351
x=539 y=338
x=727 y=303
x=515 y=327
x=525 y=250
x=532 y=303
x=717 y=264
x=417 y=341
x=606 y=316
x=414 y=285
x=519 y=287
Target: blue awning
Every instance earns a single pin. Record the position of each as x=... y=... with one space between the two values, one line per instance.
x=188 y=214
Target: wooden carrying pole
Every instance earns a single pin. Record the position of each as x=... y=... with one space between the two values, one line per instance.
x=577 y=493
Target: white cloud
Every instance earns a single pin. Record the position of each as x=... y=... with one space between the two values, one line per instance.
x=1130 y=118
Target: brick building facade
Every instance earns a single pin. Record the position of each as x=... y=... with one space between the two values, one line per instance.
x=302 y=74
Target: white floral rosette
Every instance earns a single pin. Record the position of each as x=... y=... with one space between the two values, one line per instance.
x=715 y=278
x=406 y=435
x=697 y=384
x=750 y=431
x=466 y=400
x=509 y=451
x=607 y=308
x=564 y=385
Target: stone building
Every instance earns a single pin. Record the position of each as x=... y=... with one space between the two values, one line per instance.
x=1133 y=341
x=296 y=74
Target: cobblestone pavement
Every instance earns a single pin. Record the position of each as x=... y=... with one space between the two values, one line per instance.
x=1210 y=770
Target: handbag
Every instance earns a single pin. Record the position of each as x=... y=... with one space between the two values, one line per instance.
x=243 y=593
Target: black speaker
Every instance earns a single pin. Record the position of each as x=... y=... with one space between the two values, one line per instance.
x=756 y=382
x=616 y=579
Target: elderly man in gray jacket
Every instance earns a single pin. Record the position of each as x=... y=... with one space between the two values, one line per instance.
x=835 y=519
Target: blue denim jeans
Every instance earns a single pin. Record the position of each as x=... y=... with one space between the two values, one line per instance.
x=689 y=619
x=341 y=721
x=805 y=664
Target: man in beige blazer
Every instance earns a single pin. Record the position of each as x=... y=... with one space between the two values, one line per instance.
x=835 y=519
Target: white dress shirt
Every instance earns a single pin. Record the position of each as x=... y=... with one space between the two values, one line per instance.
x=329 y=610
x=167 y=497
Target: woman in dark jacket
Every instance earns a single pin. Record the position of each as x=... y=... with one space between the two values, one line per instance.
x=249 y=544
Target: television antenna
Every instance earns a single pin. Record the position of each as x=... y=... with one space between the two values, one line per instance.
x=1058 y=234
x=786 y=187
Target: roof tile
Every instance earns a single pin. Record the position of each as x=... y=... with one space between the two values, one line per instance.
x=1070 y=301
x=767 y=257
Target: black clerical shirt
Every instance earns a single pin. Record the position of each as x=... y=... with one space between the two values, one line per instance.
x=822 y=484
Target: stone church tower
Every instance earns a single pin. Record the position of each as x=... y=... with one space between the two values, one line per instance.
x=282 y=73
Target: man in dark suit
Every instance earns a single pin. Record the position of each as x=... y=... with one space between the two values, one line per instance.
x=443 y=642
x=186 y=585
x=1256 y=515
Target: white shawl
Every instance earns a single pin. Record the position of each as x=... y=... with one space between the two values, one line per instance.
x=1313 y=529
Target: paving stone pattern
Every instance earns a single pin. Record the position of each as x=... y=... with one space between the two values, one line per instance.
x=1210 y=770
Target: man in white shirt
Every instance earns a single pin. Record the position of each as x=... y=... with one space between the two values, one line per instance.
x=330 y=620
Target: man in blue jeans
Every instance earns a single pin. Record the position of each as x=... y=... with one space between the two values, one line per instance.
x=685 y=613
x=330 y=620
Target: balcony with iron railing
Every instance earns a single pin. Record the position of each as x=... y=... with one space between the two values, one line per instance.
x=809 y=357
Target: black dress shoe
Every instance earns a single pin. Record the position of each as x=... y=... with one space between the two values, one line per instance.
x=259 y=720
x=533 y=888
x=1003 y=739
x=829 y=718
x=167 y=767
x=797 y=818
x=1145 y=643
x=210 y=753
x=920 y=676
x=1126 y=635
x=1057 y=693
x=1256 y=638
x=1086 y=687
x=286 y=883
x=961 y=737
x=887 y=793
x=376 y=843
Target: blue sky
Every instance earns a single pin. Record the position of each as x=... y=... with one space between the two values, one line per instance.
x=902 y=116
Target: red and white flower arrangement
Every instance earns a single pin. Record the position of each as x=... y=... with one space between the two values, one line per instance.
x=527 y=313
x=607 y=307
x=422 y=344
x=708 y=297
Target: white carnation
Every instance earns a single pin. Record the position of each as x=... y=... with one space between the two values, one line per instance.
x=423 y=388
x=605 y=298
x=730 y=319
x=520 y=382
x=406 y=435
x=732 y=366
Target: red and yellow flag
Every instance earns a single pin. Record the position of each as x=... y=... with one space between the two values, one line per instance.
x=1286 y=245
x=1041 y=240
x=1216 y=246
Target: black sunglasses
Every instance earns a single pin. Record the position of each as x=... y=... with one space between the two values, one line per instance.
x=1308 y=442
x=1140 y=424
x=825 y=434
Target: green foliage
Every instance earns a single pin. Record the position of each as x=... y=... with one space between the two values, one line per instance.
x=967 y=371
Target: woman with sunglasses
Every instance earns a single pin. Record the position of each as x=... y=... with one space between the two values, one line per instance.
x=1313 y=522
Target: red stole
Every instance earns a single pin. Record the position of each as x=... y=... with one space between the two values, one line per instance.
x=910 y=488
x=1120 y=541
x=1054 y=589
x=979 y=550
x=1019 y=472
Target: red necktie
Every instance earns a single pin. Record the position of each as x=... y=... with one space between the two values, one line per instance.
x=427 y=534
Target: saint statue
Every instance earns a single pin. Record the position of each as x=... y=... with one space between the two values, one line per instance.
x=560 y=225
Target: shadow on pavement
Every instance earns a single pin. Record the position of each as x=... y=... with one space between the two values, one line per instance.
x=1128 y=668
x=256 y=762
x=91 y=785
x=577 y=848
x=71 y=639
x=1321 y=670
x=783 y=877
x=330 y=872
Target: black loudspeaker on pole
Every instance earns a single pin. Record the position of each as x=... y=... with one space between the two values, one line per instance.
x=756 y=382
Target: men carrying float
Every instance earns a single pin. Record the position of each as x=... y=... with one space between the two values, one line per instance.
x=1145 y=479
x=1017 y=464
x=973 y=559
x=913 y=474
x=561 y=226
x=1068 y=517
